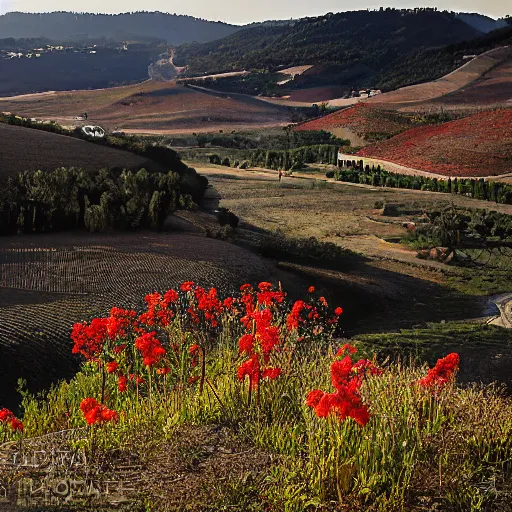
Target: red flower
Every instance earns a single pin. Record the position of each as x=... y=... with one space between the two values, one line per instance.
x=112 y=367
x=163 y=371
x=90 y=338
x=251 y=369
x=271 y=373
x=264 y=286
x=294 y=319
x=228 y=302
x=95 y=413
x=443 y=372
x=187 y=286
x=246 y=344
x=245 y=288
x=346 y=348
x=150 y=347
x=170 y=297
x=119 y=348
x=8 y=418
x=311 y=289
x=16 y=425
x=338 y=311
x=122 y=383
x=314 y=397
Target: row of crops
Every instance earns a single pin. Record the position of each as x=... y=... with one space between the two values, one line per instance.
x=376 y=176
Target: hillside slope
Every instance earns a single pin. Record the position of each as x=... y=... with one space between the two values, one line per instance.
x=463 y=76
x=25 y=149
x=479 y=145
x=369 y=40
x=67 y=26
x=151 y=107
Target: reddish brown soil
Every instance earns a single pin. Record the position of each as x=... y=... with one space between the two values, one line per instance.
x=363 y=118
x=25 y=149
x=479 y=145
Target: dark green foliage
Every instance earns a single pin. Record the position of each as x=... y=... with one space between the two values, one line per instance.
x=427 y=64
x=214 y=159
x=225 y=162
x=191 y=182
x=360 y=43
x=225 y=217
x=285 y=139
x=98 y=201
x=479 y=189
x=294 y=158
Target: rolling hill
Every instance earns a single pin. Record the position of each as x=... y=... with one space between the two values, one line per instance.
x=482 y=68
x=151 y=107
x=139 y=26
x=367 y=40
x=478 y=145
x=25 y=149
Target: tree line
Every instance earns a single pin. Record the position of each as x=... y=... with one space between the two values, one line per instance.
x=36 y=201
x=190 y=181
x=476 y=188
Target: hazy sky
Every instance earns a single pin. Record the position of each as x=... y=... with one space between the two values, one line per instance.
x=238 y=12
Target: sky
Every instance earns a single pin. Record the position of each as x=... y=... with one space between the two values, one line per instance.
x=240 y=12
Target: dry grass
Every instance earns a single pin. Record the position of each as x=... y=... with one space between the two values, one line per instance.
x=414 y=95
x=153 y=107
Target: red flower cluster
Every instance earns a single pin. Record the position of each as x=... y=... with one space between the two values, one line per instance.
x=8 y=418
x=90 y=338
x=263 y=337
x=95 y=413
x=151 y=349
x=347 y=379
x=443 y=372
x=161 y=310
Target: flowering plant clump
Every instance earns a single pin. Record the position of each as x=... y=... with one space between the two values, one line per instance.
x=95 y=413
x=8 y=419
x=442 y=374
x=347 y=378
x=145 y=352
x=269 y=330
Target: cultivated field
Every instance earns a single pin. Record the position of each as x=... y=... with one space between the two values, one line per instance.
x=418 y=97
x=151 y=107
x=363 y=120
x=49 y=282
x=24 y=149
x=479 y=145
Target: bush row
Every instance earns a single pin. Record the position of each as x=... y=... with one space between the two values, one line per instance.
x=73 y=198
x=475 y=188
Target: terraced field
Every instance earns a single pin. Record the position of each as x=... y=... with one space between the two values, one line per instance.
x=153 y=107
x=364 y=121
x=49 y=282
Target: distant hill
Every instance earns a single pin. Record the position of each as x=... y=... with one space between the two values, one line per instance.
x=481 y=22
x=366 y=40
x=140 y=26
x=427 y=64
